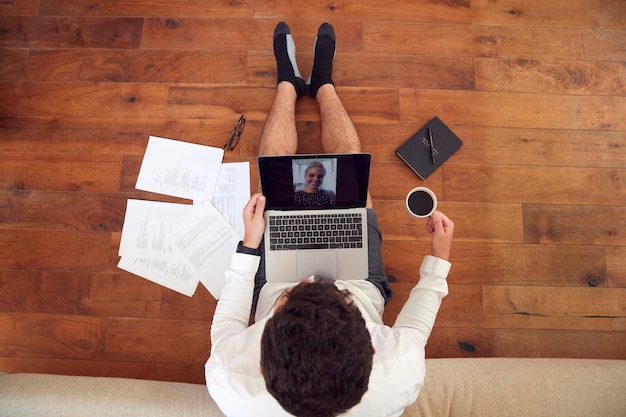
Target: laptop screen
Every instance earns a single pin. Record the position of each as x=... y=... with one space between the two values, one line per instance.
x=297 y=182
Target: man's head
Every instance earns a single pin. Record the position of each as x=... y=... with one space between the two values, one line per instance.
x=316 y=353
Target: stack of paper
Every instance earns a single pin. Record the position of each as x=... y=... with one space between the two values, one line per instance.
x=180 y=245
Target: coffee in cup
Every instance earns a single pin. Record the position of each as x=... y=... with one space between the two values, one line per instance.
x=421 y=202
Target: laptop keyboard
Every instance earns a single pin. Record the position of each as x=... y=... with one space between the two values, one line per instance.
x=316 y=231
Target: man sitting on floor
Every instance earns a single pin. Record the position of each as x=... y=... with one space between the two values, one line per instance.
x=319 y=348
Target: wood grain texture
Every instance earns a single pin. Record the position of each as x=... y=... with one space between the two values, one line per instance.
x=523 y=110
x=543 y=147
x=19 y=8
x=240 y=8
x=454 y=11
x=13 y=64
x=68 y=32
x=553 y=308
x=58 y=336
x=193 y=374
x=153 y=66
x=82 y=99
x=98 y=294
x=560 y=13
x=537 y=265
x=549 y=185
x=571 y=77
x=429 y=40
x=166 y=341
x=527 y=343
x=616 y=265
x=594 y=225
x=604 y=45
x=74 y=173
x=53 y=250
x=535 y=89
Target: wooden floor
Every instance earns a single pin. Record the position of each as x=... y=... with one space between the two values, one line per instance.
x=536 y=90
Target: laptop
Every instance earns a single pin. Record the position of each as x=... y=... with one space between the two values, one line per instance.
x=315 y=216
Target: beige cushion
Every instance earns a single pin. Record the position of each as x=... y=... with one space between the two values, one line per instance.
x=522 y=387
x=24 y=395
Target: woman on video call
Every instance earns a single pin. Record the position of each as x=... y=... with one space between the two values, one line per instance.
x=313 y=194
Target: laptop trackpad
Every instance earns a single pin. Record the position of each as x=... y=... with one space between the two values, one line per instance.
x=317 y=262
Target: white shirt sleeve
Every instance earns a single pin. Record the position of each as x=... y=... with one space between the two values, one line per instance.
x=421 y=308
x=232 y=313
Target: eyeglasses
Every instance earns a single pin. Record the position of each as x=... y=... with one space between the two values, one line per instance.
x=233 y=139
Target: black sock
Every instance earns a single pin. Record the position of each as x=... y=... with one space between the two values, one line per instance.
x=285 y=53
x=323 y=54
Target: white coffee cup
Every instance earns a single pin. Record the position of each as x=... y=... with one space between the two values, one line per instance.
x=421 y=202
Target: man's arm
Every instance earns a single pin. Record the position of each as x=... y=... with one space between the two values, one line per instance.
x=421 y=309
x=233 y=308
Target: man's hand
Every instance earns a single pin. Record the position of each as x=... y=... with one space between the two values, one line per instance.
x=442 y=229
x=253 y=221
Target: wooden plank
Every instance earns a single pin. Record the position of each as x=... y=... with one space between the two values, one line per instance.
x=525 y=343
x=175 y=8
x=152 y=371
x=53 y=250
x=457 y=11
x=393 y=180
x=558 y=77
x=51 y=336
x=230 y=102
x=605 y=45
x=13 y=64
x=99 y=294
x=51 y=210
x=219 y=102
x=74 y=172
x=539 y=111
x=251 y=34
x=382 y=139
x=534 y=307
x=68 y=32
x=505 y=222
x=572 y=224
x=145 y=66
x=383 y=70
x=19 y=8
x=540 y=185
x=114 y=135
x=504 y=263
x=557 y=13
x=429 y=40
x=108 y=140
x=461 y=308
x=160 y=341
x=532 y=147
x=82 y=99
x=616 y=265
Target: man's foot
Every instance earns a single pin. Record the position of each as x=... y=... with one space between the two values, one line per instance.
x=285 y=53
x=323 y=55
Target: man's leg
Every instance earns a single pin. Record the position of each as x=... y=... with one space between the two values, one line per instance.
x=337 y=129
x=339 y=135
x=279 y=135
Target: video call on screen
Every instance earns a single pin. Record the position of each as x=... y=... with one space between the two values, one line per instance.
x=346 y=176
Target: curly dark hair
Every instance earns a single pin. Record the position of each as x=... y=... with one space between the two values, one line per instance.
x=316 y=353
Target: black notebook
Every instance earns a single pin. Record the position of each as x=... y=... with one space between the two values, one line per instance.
x=417 y=152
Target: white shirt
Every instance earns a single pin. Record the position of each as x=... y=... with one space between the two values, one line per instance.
x=233 y=375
